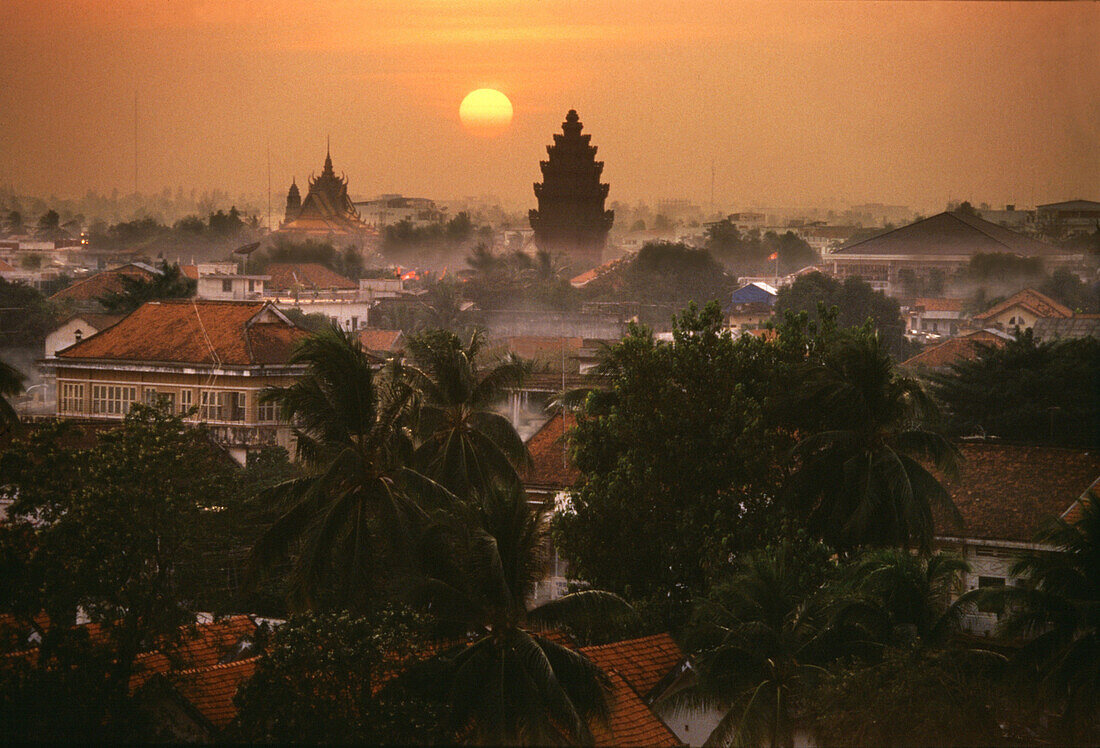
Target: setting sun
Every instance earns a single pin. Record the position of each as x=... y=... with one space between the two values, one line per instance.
x=485 y=111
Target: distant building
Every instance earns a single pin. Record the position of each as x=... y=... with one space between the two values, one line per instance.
x=386 y=210
x=1006 y=494
x=314 y=289
x=1023 y=309
x=326 y=213
x=85 y=294
x=216 y=356
x=935 y=316
x=1069 y=217
x=1010 y=217
x=941 y=357
x=570 y=219
x=221 y=281
x=942 y=244
x=750 y=305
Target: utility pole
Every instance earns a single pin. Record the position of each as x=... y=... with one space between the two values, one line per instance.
x=269 y=186
x=135 y=142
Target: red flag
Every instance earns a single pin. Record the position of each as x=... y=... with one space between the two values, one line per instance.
x=773 y=256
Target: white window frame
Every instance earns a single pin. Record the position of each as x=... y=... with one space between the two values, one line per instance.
x=71 y=398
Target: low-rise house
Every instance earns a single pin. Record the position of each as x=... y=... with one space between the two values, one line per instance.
x=1006 y=494
x=751 y=305
x=1060 y=328
x=1022 y=309
x=221 y=281
x=314 y=289
x=941 y=357
x=382 y=343
x=655 y=667
x=213 y=356
x=936 y=316
x=85 y=294
x=77 y=327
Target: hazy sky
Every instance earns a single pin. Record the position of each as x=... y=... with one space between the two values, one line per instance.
x=794 y=103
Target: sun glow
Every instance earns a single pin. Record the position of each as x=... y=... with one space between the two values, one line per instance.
x=485 y=111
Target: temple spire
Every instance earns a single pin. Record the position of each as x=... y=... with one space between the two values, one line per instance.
x=570 y=218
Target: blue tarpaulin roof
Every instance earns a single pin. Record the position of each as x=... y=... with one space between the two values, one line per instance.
x=753 y=292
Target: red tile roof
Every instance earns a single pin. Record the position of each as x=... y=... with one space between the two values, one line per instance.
x=963 y=348
x=195 y=332
x=551 y=465
x=642 y=662
x=190 y=271
x=5 y=267
x=1037 y=303
x=211 y=689
x=101 y=284
x=632 y=723
x=201 y=646
x=306 y=276
x=382 y=341
x=938 y=305
x=1008 y=492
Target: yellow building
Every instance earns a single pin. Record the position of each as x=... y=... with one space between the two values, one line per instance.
x=211 y=359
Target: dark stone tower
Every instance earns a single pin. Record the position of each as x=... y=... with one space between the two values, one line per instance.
x=571 y=219
x=293 y=202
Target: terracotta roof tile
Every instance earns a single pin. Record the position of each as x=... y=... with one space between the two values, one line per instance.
x=382 y=341
x=200 y=646
x=5 y=267
x=1009 y=492
x=211 y=689
x=1037 y=303
x=963 y=348
x=306 y=276
x=938 y=305
x=195 y=332
x=643 y=662
x=551 y=465
x=632 y=723
x=100 y=284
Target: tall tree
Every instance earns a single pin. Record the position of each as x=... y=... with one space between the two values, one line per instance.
x=1057 y=611
x=349 y=511
x=1046 y=392
x=684 y=439
x=169 y=283
x=462 y=442
x=860 y=480
x=113 y=532
x=335 y=678
x=761 y=639
x=855 y=302
x=511 y=682
x=11 y=383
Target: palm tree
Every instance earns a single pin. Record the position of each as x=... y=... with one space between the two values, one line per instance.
x=760 y=641
x=912 y=594
x=511 y=682
x=462 y=443
x=353 y=502
x=1058 y=610
x=11 y=383
x=859 y=479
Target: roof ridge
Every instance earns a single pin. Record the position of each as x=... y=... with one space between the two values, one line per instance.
x=216 y=666
x=959 y=217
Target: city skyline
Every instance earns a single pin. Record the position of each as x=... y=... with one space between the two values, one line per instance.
x=899 y=103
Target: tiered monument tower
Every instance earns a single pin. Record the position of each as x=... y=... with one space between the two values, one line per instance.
x=571 y=219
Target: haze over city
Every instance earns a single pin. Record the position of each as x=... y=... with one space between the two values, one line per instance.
x=792 y=103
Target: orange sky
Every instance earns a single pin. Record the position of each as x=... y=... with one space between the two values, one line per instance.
x=795 y=103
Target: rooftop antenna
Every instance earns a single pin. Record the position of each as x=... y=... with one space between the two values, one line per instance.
x=269 y=185
x=712 y=187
